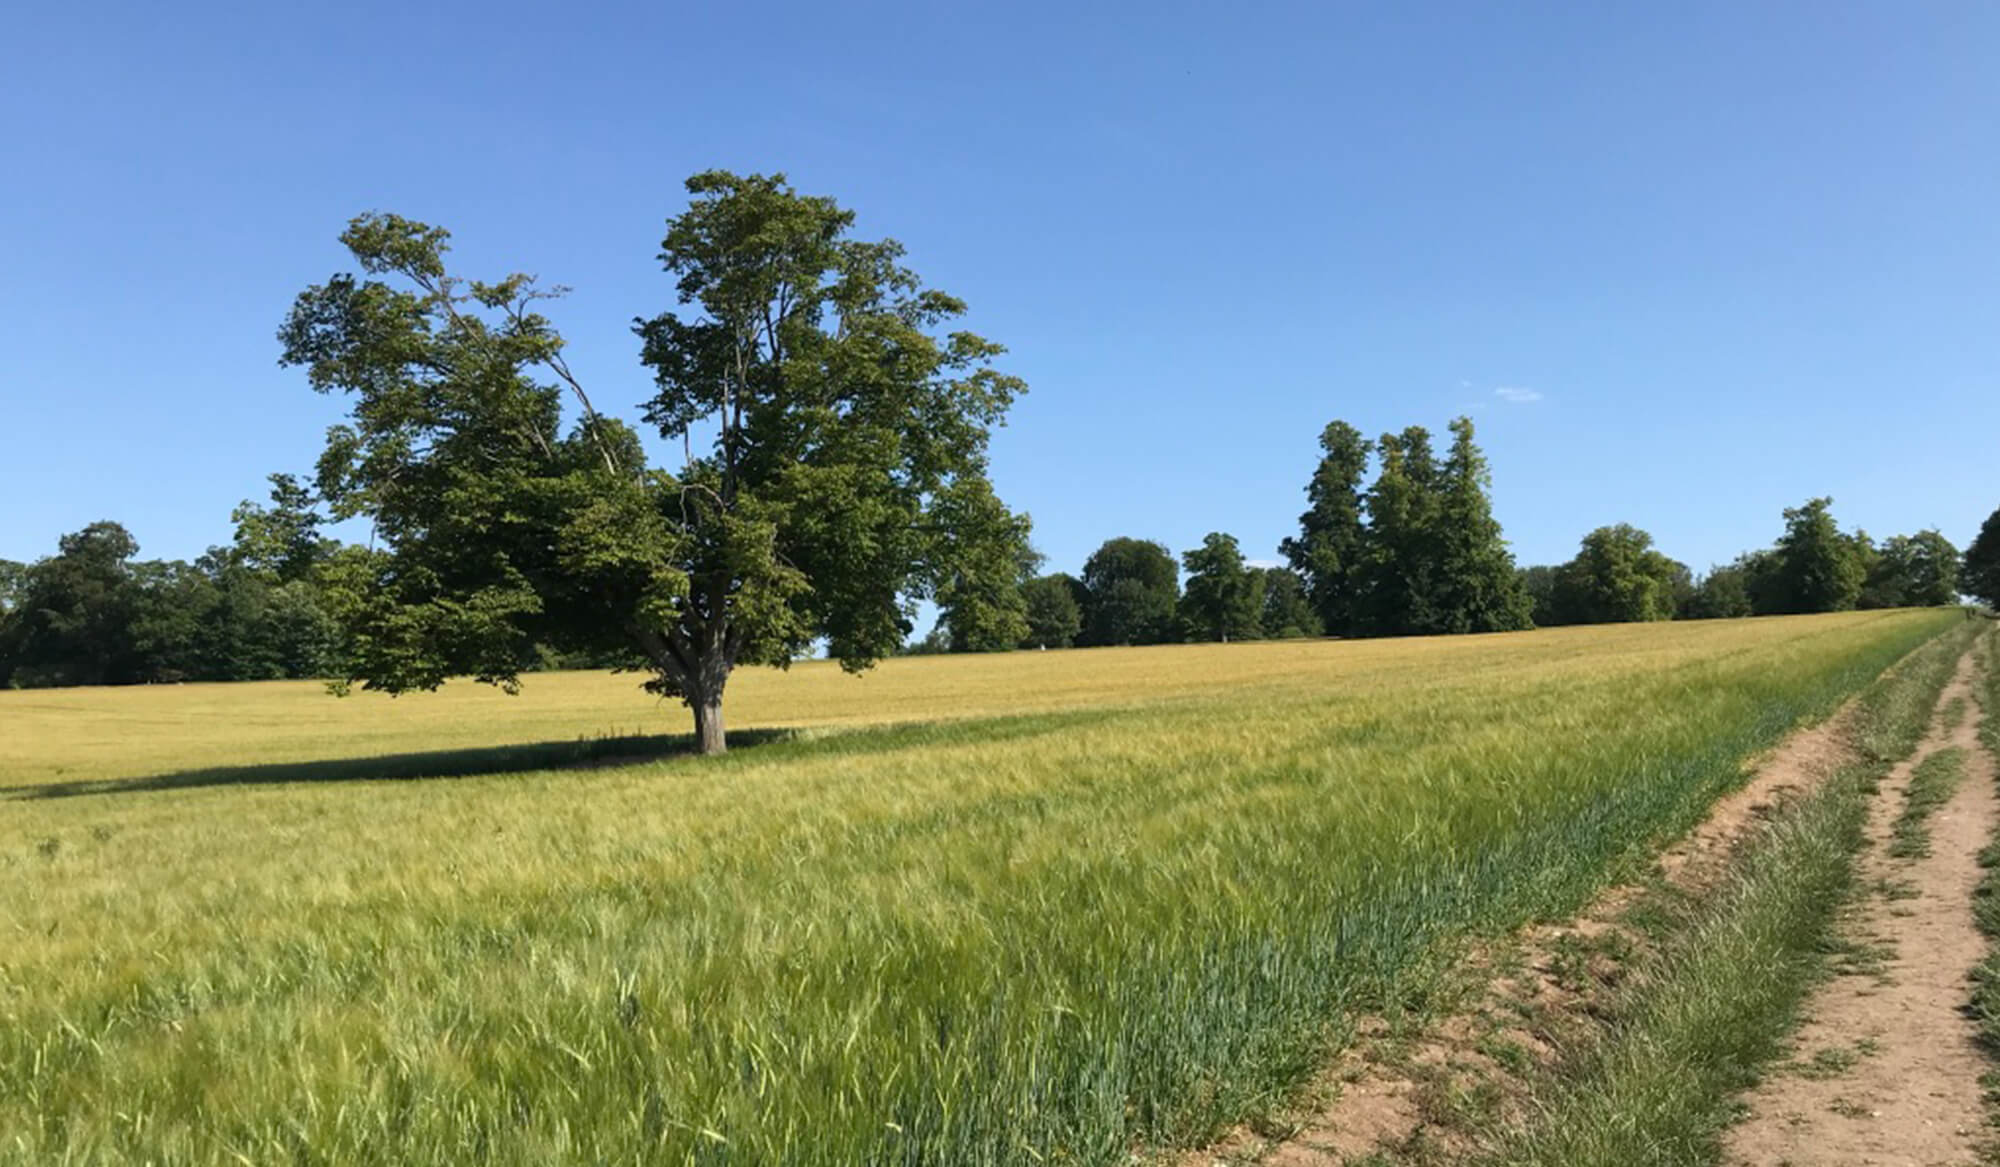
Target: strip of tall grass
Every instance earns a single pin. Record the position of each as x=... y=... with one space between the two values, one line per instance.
x=1712 y=1008
x=1986 y=910
x=1043 y=942
x=1932 y=784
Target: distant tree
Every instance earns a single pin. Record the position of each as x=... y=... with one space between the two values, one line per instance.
x=1055 y=616
x=75 y=614
x=1816 y=568
x=1223 y=599
x=1131 y=588
x=1328 y=550
x=1980 y=577
x=989 y=557
x=1912 y=571
x=1722 y=594
x=1538 y=583
x=12 y=577
x=1429 y=557
x=1476 y=589
x=1395 y=580
x=281 y=542
x=840 y=416
x=1617 y=576
x=1288 y=610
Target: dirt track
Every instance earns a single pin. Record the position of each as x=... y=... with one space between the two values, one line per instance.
x=1370 y=1104
x=1885 y=1071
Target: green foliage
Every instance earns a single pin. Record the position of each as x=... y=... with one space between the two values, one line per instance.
x=93 y=615
x=1054 y=611
x=844 y=478
x=12 y=577
x=1131 y=589
x=987 y=559
x=1288 y=609
x=1723 y=594
x=1328 y=550
x=1223 y=599
x=1417 y=552
x=1981 y=577
x=1617 y=577
x=75 y=612
x=1431 y=558
x=1911 y=571
x=1538 y=583
x=1815 y=568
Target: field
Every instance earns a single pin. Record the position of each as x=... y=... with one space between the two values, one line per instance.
x=1066 y=905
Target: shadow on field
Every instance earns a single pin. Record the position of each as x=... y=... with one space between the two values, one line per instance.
x=587 y=753
x=582 y=753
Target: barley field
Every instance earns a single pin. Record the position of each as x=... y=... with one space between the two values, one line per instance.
x=1037 y=907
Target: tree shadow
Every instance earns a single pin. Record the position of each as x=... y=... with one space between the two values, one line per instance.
x=587 y=753
x=583 y=753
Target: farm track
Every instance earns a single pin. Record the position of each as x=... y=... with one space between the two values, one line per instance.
x=1439 y=1094
x=1886 y=1070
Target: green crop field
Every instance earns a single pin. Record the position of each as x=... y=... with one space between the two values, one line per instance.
x=1035 y=907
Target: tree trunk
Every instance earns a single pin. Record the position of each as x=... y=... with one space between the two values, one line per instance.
x=708 y=735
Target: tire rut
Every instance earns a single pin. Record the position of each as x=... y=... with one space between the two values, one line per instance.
x=1885 y=1070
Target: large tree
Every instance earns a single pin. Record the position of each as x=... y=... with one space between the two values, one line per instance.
x=1912 y=571
x=1617 y=576
x=76 y=612
x=1816 y=568
x=1131 y=588
x=1054 y=612
x=1395 y=579
x=1724 y=593
x=1980 y=577
x=1327 y=550
x=1475 y=586
x=12 y=576
x=828 y=418
x=1223 y=599
x=979 y=598
x=1288 y=611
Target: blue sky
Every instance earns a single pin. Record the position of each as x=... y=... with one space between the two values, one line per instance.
x=1684 y=266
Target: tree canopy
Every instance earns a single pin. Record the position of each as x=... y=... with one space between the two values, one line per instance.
x=1981 y=569
x=1223 y=599
x=1617 y=576
x=1911 y=571
x=1131 y=590
x=1815 y=568
x=1418 y=551
x=843 y=444
x=1054 y=612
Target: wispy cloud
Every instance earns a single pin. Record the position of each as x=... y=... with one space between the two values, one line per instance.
x=1514 y=395
x=1263 y=563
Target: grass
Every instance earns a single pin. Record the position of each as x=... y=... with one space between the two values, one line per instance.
x=1932 y=784
x=1986 y=911
x=1074 y=903
x=1708 y=1014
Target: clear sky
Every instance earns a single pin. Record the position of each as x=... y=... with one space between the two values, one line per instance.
x=1684 y=266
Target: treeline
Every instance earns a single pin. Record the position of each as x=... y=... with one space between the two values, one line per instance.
x=1416 y=551
x=1618 y=575
x=95 y=614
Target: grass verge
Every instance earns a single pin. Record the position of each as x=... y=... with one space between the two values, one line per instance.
x=1986 y=911
x=1712 y=1006
x=1932 y=784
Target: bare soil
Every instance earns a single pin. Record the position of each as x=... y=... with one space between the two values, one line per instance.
x=1885 y=1070
x=1405 y=1096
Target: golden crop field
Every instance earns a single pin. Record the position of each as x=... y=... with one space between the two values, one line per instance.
x=1070 y=903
